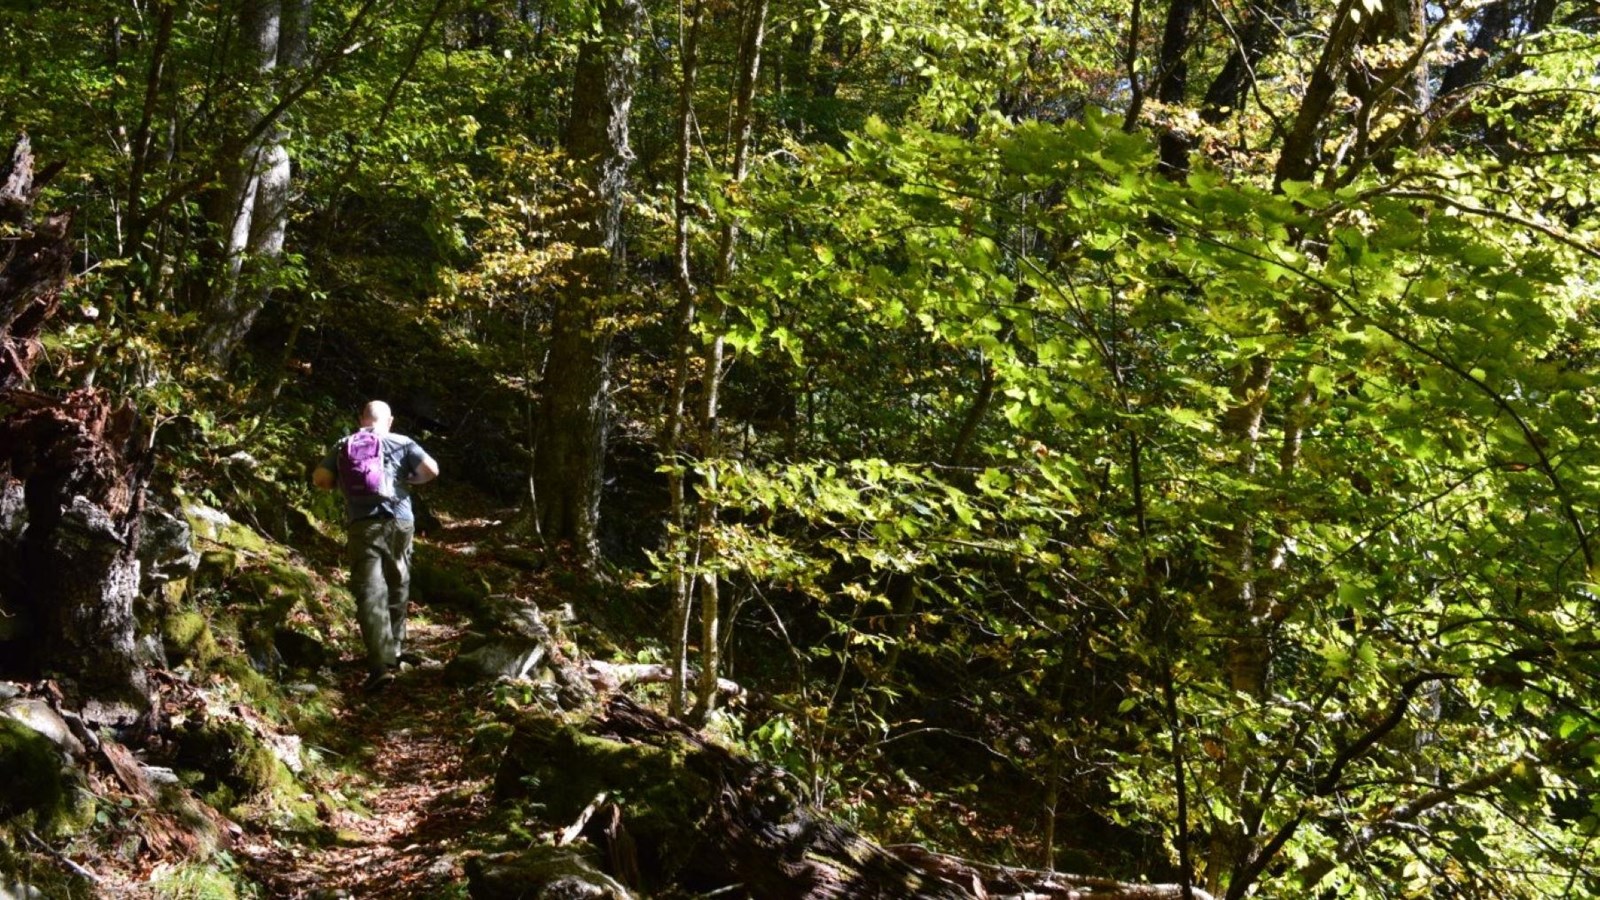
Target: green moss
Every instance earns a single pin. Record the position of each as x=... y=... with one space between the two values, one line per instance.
x=193 y=817
x=233 y=764
x=261 y=691
x=563 y=769
x=279 y=586
x=174 y=591
x=241 y=537
x=186 y=635
x=491 y=737
x=215 y=568
x=200 y=881
x=435 y=583
x=221 y=796
x=32 y=782
x=317 y=724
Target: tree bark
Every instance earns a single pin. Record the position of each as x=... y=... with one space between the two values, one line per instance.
x=1297 y=160
x=1259 y=36
x=742 y=127
x=671 y=443
x=255 y=212
x=569 y=463
x=1172 y=83
x=76 y=469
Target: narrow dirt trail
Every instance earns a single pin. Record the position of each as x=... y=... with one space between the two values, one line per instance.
x=403 y=773
x=403 y=764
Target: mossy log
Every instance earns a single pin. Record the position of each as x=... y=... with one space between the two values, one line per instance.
x=676 y=810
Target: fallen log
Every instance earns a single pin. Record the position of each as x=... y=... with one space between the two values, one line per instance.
x=609 y=677
x=690 y=814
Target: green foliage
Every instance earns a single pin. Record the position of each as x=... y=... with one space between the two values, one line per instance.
x=1036 y=455
x=1333 y=398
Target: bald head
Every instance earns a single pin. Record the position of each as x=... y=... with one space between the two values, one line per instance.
x=376 y=415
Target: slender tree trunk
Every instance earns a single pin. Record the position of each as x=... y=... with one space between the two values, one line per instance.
x=679 y=539
x=1257 y=37
x=754 y=35
x=574 y=417
x=142 y=147
x=1494 y=25
x=1297 y=160
x=1237 y=602
x=1172 y=83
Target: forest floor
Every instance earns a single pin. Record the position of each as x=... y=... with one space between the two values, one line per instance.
x=412 y=795
x=411 y=791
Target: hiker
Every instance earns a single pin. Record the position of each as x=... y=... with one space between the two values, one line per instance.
x=375 y=468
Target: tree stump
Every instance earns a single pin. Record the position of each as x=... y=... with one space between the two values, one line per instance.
x=72 y=471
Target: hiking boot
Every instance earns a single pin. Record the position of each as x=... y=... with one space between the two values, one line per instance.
x=377 y=681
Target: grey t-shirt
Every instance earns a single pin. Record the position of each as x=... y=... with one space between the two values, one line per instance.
x=401 y=456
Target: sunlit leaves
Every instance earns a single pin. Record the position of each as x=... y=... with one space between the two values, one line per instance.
x=1411 y=484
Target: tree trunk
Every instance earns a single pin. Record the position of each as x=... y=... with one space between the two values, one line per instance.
x=569 y=464
x=1172 y=84
x=142 y=149
x=1259 y=36
x=74 y=467
x=742 y=128
x=1299 y=157
x=255 y=213
x=671 y=443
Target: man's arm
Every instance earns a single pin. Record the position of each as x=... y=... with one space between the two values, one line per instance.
x=324 y=478
x=426 y=470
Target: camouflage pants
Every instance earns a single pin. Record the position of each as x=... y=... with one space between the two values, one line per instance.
x=379 y=555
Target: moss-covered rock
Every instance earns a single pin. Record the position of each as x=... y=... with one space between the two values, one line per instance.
x=232 y=763
x=554 y=763
x=540 y=873
x=32 y=780
x=187 y=638
x=437 y=582
x=279 y=585
x=299 y=650
x=216 y=567
x=217 y=527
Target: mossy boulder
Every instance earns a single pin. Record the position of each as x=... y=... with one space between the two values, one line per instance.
x=232 y=763
x=216 y=567
x=299 y=650
x=557 y=765
x=541 y=873
x=217 y=527
x=32 y=779
x=437 y=581
x=186 y=637
x=681 y=811
x=279 y=585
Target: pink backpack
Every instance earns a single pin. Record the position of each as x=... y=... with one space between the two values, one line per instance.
x=361 y=469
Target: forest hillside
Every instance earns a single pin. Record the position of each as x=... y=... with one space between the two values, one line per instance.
x=904 y=448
